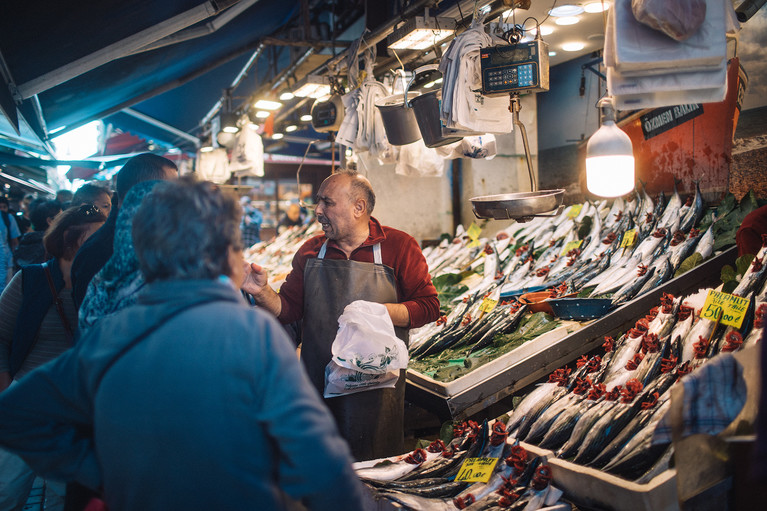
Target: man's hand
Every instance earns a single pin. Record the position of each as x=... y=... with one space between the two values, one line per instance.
x=256 y=278
x=257 y=284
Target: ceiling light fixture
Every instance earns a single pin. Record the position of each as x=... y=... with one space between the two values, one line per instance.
x=291 y=128
x=286 y=95
x=229 y=123
x=306 y=118
x=546 y=29
x=609 y=156
x=574 y=46
x=277 y=136
x=421 y=32
x=567 y=20
x=266 y=104
x=566 y=10
x=596 y=7
x=312 y=86
x=262 y=114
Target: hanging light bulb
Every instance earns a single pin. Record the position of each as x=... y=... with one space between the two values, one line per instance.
x=609 y=156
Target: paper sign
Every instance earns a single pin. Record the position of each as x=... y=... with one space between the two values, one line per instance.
x=731 y=308
x=473 y=233
x=629 y=237
x=476 y=470
x=487 y=304
x=575 y=210
x=571 y=246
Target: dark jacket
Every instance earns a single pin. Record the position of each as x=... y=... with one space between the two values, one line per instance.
x=92 y=256
x=30 y=250
x=197 y=401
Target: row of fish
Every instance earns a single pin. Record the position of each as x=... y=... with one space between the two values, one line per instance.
x=430 y=479
x=619 y=251
x=604 y=413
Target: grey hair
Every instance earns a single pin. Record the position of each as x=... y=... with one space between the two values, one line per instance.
x=361 y=187
x=183 y=230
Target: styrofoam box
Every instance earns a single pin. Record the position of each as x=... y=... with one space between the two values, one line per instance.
x=592 y=488
x=502 y=363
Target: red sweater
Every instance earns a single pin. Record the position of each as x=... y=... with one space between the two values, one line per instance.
x=399 y=251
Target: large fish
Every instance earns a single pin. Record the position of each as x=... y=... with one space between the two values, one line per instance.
x=695 y=212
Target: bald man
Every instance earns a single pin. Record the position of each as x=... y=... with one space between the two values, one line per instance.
x=355 y=259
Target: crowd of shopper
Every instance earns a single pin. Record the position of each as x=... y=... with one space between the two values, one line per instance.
x=158 y=387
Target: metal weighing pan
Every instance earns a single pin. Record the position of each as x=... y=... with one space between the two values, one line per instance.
x=520 y=206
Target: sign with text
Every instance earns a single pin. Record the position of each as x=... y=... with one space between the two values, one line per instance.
x=663 y=119
x=571 y=246
x=487 y=304
x=629 y=237
x=473 y=233
x=732 y=309
x=575 y=210
x=476 y=470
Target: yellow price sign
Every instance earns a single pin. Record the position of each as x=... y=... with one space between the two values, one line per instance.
x=476 y=470
x=571 y=246
x=474 y=231
x=731 y=308
x=575 y=210
x=629 y=237
x=487 y=305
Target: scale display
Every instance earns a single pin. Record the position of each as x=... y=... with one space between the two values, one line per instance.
x=516 y=68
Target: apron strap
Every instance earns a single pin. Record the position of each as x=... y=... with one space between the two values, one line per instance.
x=377 y=258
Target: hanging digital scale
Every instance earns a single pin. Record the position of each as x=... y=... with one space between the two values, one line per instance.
x=516 y=68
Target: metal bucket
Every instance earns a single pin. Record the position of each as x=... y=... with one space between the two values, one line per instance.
x=399 y=119
x=426 y=107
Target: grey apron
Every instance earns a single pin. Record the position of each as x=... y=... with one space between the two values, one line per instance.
x=370 y=421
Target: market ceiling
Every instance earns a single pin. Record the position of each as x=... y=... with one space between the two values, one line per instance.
x=159 y=67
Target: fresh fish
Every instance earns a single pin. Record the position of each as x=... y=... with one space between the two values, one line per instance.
x=631 y=288
x=582 y=427
x=671 y=210
x=695 y=212
x=419 y=503
x=541 y=425
x=754 y=274
x=665 y=271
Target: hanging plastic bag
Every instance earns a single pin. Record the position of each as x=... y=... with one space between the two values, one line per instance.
x=417 y=160
x=366 y=354
x=678 y=19
x=479 y=147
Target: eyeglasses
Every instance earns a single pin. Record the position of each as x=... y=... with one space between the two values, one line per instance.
x=88 y=210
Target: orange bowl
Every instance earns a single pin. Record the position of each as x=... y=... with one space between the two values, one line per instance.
x=535 y=301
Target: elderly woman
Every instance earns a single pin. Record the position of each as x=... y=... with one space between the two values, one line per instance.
x=193 y=399
x=37 y=320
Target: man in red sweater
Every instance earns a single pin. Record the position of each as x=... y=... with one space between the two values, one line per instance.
x=355 y=259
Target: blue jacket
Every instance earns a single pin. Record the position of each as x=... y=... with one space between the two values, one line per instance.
x=187 y=400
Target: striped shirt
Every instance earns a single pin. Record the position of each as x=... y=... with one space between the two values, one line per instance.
x=51 y=339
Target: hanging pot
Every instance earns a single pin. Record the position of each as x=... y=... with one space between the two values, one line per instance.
x=399 y=119
x=426 y=107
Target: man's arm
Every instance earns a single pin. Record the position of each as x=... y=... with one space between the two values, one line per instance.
x=399 y=314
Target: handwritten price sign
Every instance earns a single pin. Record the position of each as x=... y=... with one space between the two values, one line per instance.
x=487 y=304
x=476 y=470
x=473 y=233
x=731 y=308
x=575 y=210
x=572 y=245
x=629 y=237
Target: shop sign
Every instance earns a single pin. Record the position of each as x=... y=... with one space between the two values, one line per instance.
x=663 y=119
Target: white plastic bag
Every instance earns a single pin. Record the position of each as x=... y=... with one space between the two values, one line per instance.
x=417 y=160
x=366 y=353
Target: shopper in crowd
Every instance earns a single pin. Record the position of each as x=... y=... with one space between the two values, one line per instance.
x=164 y=405
x=118 y=283
x=22 y=216
x=356 y=259
x=92 y=193
x=37 y=321
x=9 y=239
x=31 y=249
x=250 y=226
x=97 y=251
x=64 y=197
x=291 y=218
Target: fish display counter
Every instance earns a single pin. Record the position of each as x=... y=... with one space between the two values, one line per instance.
x=597 y=261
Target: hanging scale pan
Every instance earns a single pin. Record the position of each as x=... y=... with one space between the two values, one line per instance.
x=522 y=206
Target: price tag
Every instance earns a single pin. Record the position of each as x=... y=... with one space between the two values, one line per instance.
x=629 y=237
x=476 y=470
x=571 y=246
x=731 y=308
x=575 y=210
x=473 y=233
x=487 y=304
